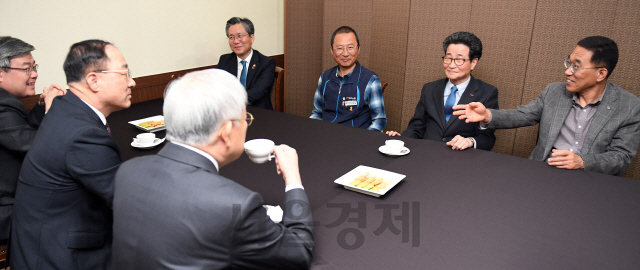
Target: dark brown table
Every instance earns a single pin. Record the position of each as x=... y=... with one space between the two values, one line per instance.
x=469 y=209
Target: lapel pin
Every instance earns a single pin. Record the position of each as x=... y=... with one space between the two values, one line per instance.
x=471 y=94
x=608 y=108
x=254 y=66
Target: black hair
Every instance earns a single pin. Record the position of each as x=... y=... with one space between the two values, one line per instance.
x=468 y=39
x=605 y=51
x=248 y=25
x=83 y=56
x=344 y=30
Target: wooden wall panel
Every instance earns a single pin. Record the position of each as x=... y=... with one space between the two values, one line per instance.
x=430 y=22
x=355 y=14
x=390 y=28
x=30 y=101
x=504 y=27
x=304 y=54
x=626 y=33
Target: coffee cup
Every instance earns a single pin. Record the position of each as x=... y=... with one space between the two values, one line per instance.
x=259 y=150
x=394 y=146
x=145 y=139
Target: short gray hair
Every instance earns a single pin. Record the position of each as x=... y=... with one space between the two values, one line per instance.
x=197 y=104
x=11 y=48
x=248 y=25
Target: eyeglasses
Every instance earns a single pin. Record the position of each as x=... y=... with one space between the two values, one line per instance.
x=350 y=49
x=123 y=72
x=239 y=37
x=574 y=68
x=26 y=70
x=249 y=119
x=458 y=61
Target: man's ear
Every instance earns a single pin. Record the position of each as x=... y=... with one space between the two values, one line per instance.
x=602 y=74
x=474 y=62
x=92 y=81
x=225 y=133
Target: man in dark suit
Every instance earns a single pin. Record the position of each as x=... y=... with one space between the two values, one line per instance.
x=432 y=119
x=18 y=75
x=174 y=211
x=585 y=122
x=255 y=71
x=62 y=215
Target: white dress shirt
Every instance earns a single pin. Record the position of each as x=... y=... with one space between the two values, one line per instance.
x=461 y=88
x=240 y=64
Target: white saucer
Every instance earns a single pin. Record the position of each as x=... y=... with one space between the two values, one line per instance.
x=154 y=144
x=383 y=149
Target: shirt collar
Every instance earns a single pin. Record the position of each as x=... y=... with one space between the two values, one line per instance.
x=575 y=97
x=248 y=58
x=461 y=87
x=102 y=118
x=203 y=153
x=345 y=77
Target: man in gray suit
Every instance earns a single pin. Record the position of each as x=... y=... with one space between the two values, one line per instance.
x=585 y=123
x=174 y=211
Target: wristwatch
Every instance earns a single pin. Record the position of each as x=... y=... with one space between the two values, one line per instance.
x=473 y=141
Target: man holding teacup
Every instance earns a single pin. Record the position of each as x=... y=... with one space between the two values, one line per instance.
x=173 y=209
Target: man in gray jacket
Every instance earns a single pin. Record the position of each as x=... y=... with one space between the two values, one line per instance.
x=585 y=123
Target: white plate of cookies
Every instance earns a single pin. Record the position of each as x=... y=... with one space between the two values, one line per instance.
x=150 y=124
x=369 y=180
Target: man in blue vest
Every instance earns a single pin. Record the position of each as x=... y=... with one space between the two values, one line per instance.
x=348 y=93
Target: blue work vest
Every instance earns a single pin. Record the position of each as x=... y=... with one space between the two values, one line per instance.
x=344 y=102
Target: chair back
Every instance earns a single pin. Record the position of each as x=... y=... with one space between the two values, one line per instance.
x=384 y=85
x=277 y=91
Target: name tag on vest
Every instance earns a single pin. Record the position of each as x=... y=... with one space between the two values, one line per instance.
x=350 y=103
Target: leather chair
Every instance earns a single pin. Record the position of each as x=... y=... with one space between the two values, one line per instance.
x=277 y=91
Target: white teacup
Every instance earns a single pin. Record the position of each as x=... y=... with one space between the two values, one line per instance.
x=146 y=139
x=394 y=146
x=259 y=150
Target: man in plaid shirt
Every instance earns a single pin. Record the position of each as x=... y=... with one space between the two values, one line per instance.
x=348 y=93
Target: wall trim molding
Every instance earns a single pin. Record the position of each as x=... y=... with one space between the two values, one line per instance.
x=152 y=86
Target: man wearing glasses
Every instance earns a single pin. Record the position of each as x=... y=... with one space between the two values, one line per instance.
x=18 y=75
x=586 y=122
x=255 y=71
x=62 y=216
x=348 y=93
x=433 y=118
x=174 y=210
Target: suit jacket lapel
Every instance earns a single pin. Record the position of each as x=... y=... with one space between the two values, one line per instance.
x=470 y=94
x=438 y=98
x=605 y=110
x=184 y=155
x=565 y=101
x=231 y=65
x=254 y=64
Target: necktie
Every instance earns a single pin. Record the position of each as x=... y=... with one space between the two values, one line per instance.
x=108 y=129
x=243 y=75
x=451 y=100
